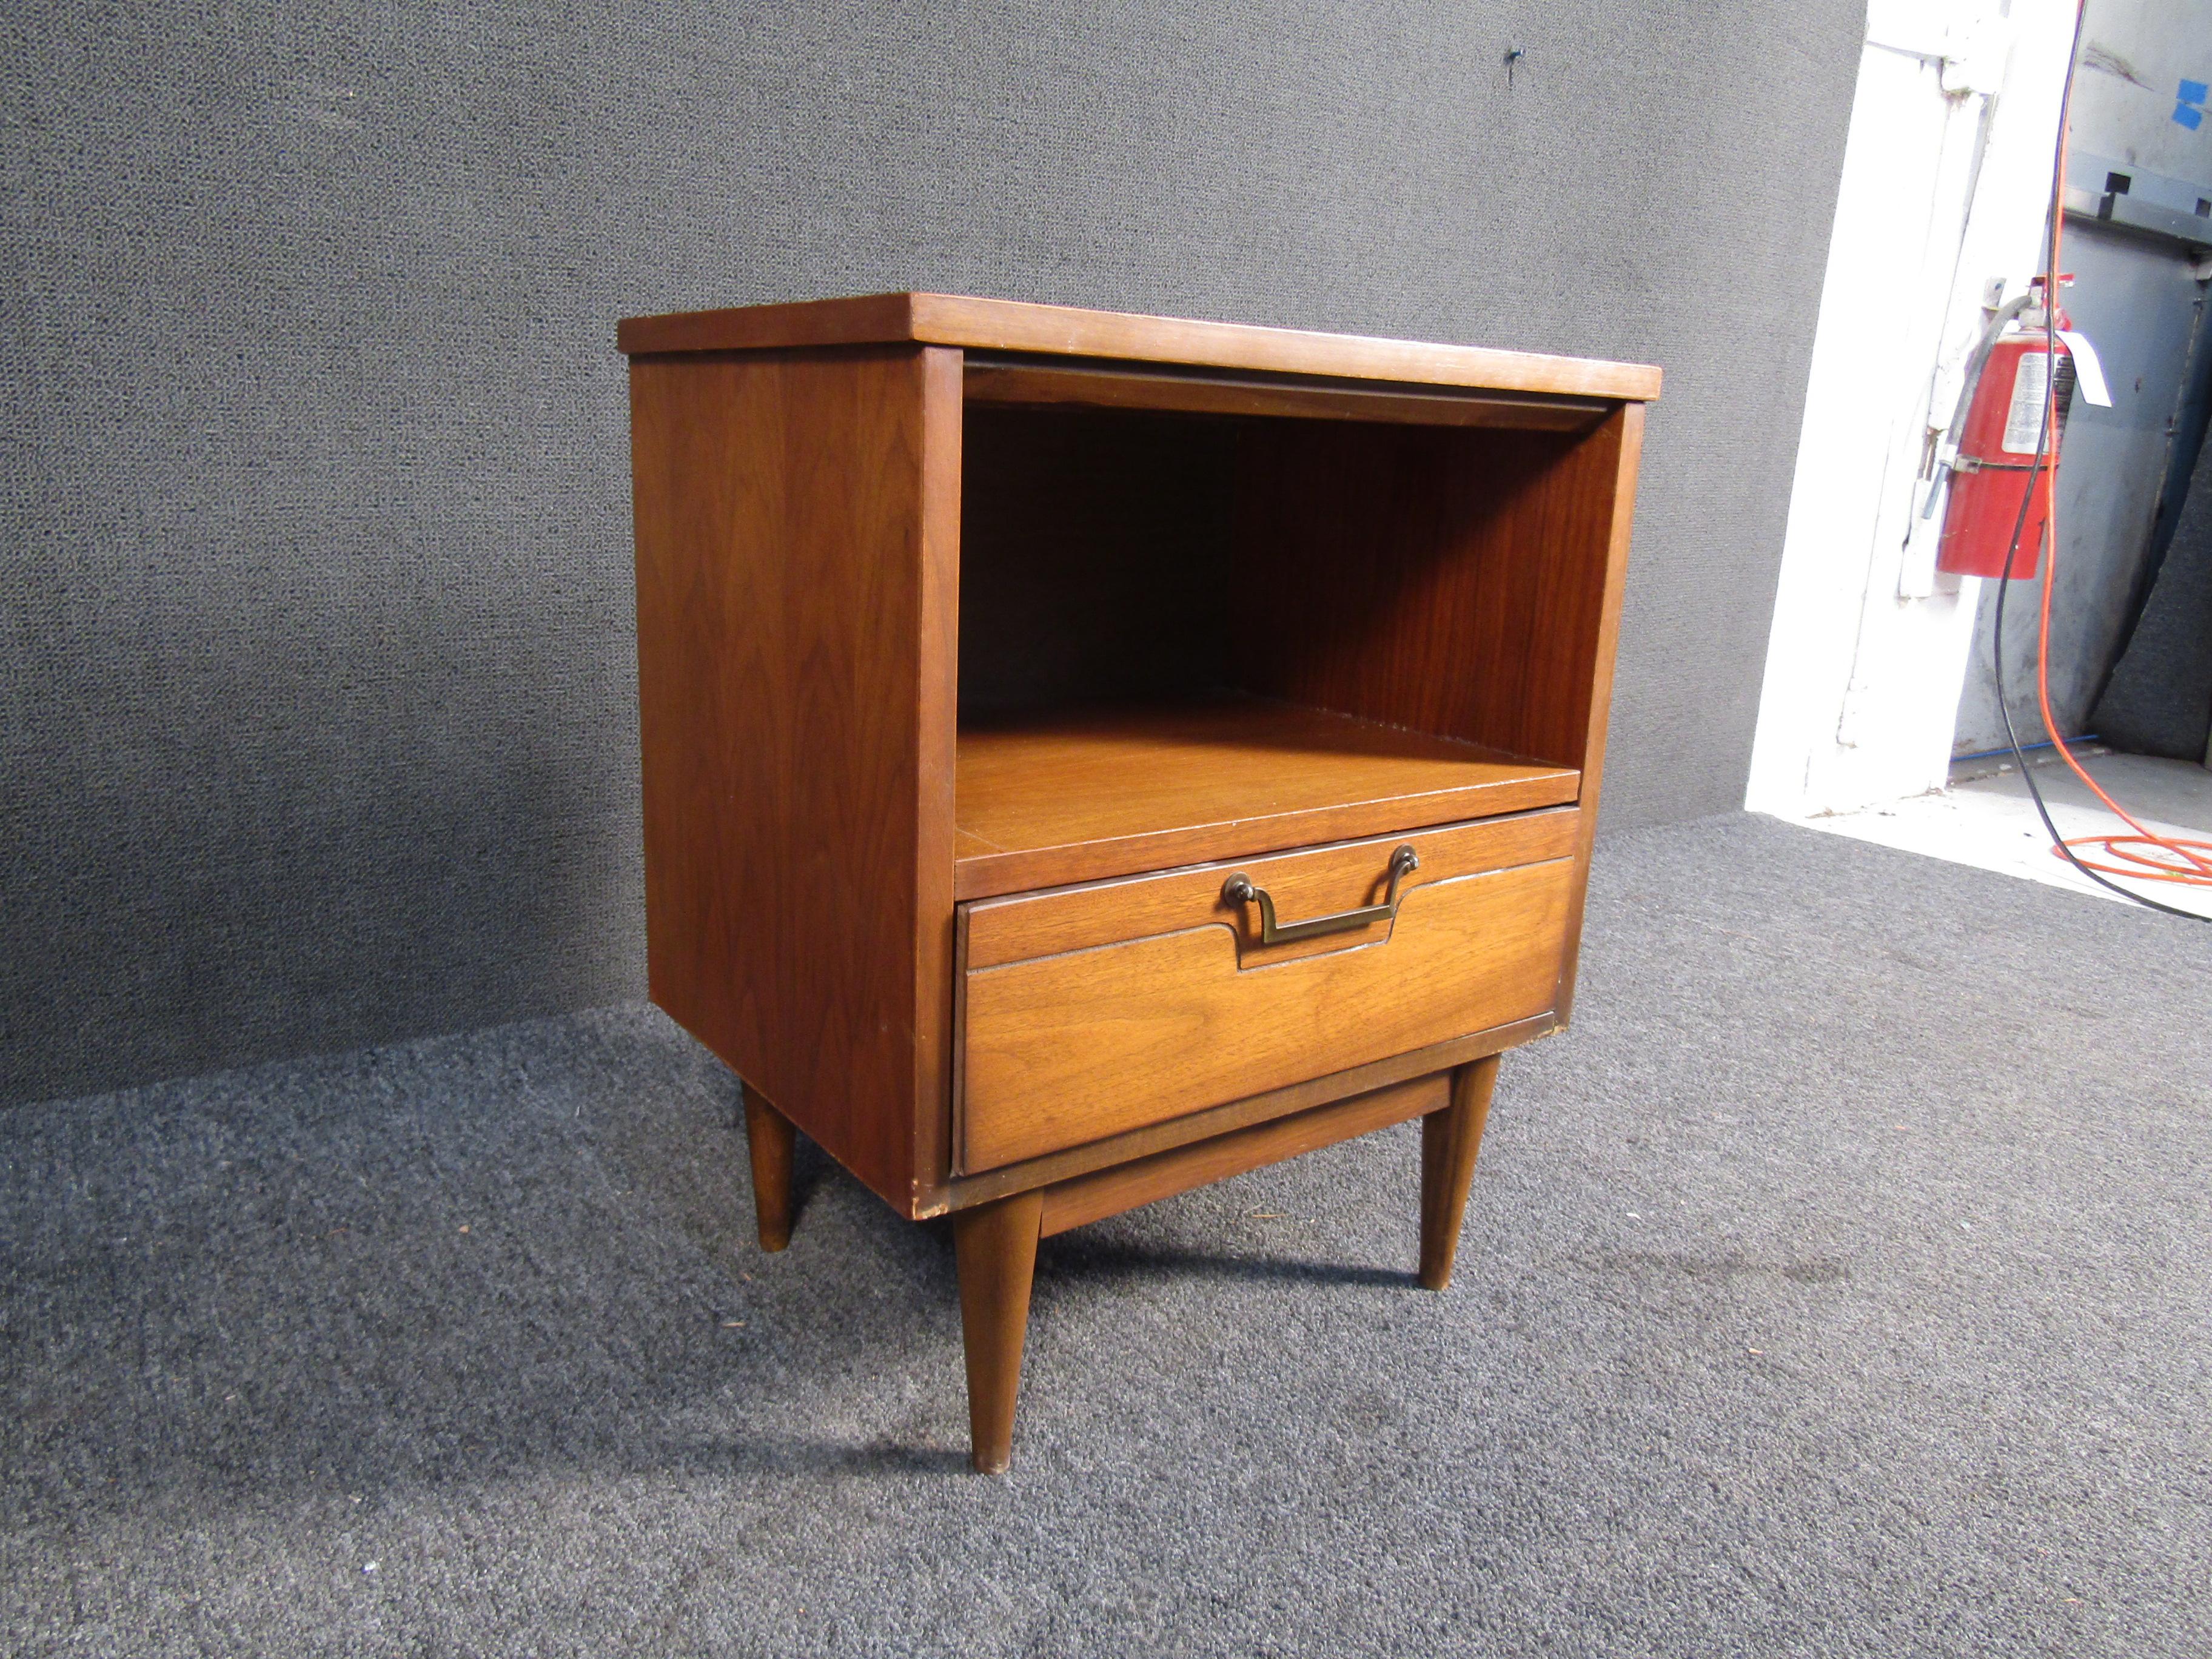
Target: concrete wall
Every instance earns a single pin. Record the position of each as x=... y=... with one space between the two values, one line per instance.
x=316 y=682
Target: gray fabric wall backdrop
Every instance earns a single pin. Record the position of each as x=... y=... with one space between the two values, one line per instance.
x=316 y=683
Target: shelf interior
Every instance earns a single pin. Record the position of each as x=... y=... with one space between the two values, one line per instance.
x=1051 y=796
x=1194 y=635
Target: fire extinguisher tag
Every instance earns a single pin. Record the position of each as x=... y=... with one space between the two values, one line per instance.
x=2024 y=416
x=2089 y=374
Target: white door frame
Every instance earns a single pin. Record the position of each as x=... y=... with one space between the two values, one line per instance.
x=1943 y=198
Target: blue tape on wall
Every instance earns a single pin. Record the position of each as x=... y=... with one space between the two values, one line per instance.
x=2188 y=115
x=2192 y=91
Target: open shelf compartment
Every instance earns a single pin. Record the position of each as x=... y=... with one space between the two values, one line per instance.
x=1197 y=626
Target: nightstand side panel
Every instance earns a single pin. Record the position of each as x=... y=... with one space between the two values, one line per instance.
x=788 y=633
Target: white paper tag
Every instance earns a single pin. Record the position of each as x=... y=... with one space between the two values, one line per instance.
x=2088 y=372
x=2024 y=413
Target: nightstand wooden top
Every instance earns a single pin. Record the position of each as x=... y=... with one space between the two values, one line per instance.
x=1010 y=325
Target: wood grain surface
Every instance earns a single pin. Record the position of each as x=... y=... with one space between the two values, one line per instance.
x=770 y=1140
x=1450 y=1139
x=965 y=1190
x=1065 y=331
x=1071 y=796
x=1310 y=882
x=1413 y=556
x=797 y=587
x=1108 y=1191
x=1451 y=582
x=1617 y=448
x=995 y=1253
x=1093 y=556
x=1069 y=1048
x=1054 y=383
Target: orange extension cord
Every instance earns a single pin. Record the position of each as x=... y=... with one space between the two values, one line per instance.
x=2141 y=856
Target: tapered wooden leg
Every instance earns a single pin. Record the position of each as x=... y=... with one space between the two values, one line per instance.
x=994 y=1246
x=1450 y=1140
x=769 y=1134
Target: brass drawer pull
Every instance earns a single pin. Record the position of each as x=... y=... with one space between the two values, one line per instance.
x=1239 y=890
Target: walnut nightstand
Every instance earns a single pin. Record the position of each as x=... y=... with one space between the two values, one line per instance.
x=1088 y=755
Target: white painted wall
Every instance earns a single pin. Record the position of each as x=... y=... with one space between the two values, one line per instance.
x=1945 y=185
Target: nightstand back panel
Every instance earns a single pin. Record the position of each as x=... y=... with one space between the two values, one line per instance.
x=1452 y=582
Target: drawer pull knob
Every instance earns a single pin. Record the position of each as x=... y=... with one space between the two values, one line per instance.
x=1239 y=890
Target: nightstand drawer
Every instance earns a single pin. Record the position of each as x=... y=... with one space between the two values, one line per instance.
x=1089 y=1011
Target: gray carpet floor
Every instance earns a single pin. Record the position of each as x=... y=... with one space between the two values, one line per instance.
x=1842 y=1283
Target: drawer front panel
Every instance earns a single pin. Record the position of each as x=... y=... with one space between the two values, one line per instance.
x=1064 y=1048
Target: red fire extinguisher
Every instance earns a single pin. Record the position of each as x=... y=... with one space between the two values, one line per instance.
x=1998 y=429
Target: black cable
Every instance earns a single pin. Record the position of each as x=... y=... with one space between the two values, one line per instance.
x=2019 y=521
